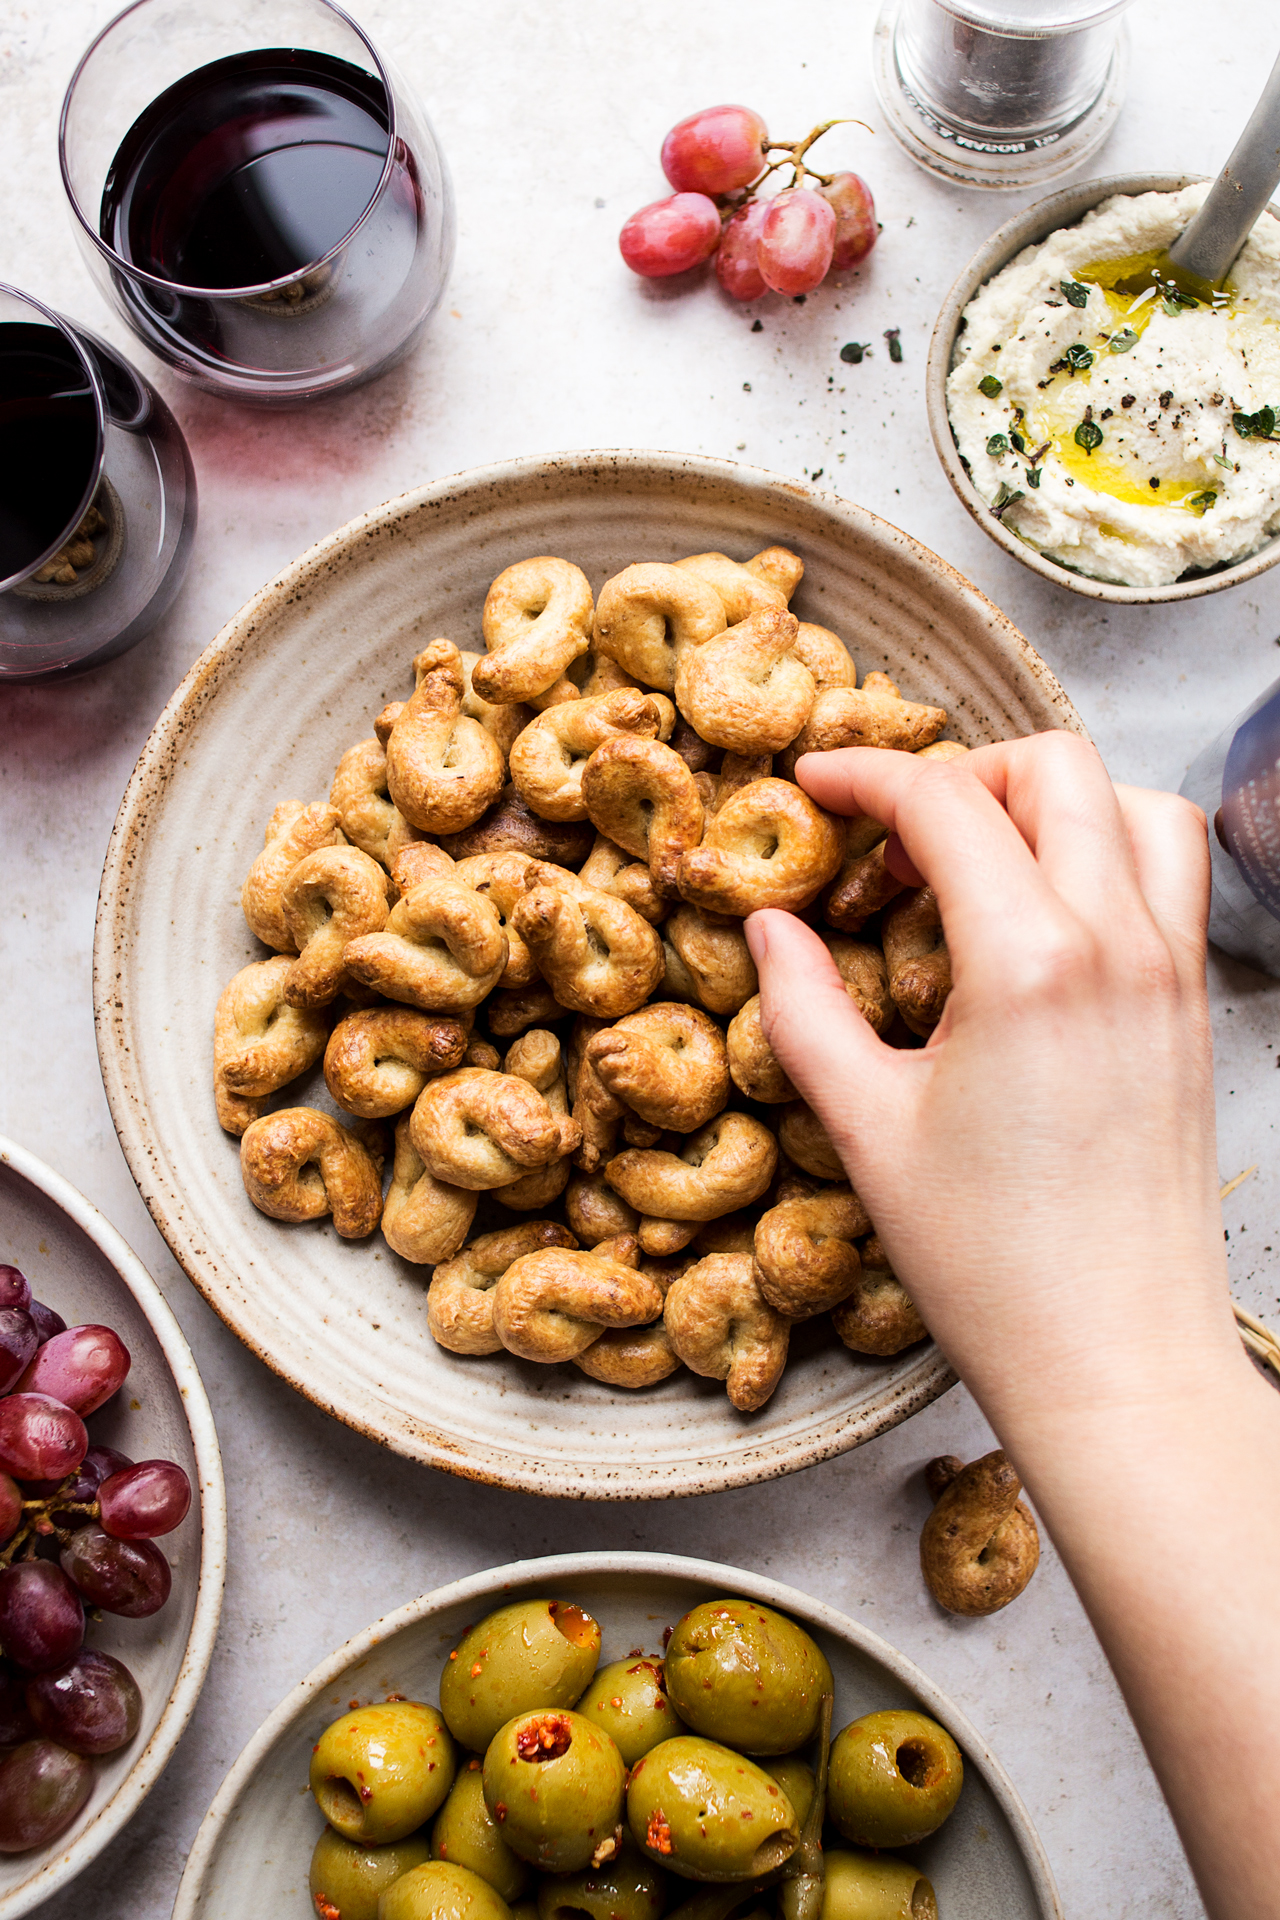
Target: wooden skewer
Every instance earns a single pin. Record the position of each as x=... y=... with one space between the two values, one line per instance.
x=1258 y=1337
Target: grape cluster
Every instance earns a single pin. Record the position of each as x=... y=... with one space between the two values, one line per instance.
x=717 y=161
x=78 y=1525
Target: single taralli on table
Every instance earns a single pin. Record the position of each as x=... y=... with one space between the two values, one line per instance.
x=547 y=1787
x=514 y=930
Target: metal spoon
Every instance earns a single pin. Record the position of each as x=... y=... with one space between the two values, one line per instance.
x=1207 y=247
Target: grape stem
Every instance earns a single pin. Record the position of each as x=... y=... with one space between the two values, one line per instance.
x=793 y=152
x=40 y=1519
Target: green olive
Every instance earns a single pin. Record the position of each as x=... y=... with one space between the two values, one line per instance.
x=796 y=1781
x=708 y=1813
x=626 y=1888
x=741 y=1673
x=467 y=1833
x=347 y=1878
x=628 y=1698
x=440 y=1891
x=380 y=1771
x=525 y=1910
x=895 y=1776
x=874 y=1886
x=554 y=1783
x=536 y=1653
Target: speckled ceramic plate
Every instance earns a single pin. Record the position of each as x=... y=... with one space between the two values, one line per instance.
x=78 y=1264
x=254 y=1849
x=263 y=716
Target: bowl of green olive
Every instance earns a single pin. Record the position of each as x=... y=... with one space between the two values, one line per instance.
x=617 y=1737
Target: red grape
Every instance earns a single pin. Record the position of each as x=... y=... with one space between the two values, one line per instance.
x=40 y=1438
x=41 y=1617
x=93 y=1470
x=82 y=1367
x=144 y=1501
x=796 y=239
x=737 y=267
x=15 y=1722
x=47 y=1321
x=855 y=211
x=15 y=1288
x=18 y=1342
x=10 y=1512
x=715 y=151
x=92 y=1704
x=129 y=1577
x=671 y=235
x=42 y=1789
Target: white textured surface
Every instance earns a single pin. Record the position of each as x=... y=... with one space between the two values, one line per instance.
x=544 y=342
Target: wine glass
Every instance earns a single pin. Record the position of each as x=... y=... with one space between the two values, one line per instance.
x=257 y=193
x=97 y=497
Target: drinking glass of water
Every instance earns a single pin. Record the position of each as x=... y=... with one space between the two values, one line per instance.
x=257 y=194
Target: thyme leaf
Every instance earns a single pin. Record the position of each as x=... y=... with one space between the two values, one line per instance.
x=1088 y=436
x=991 y=386
x=1121 y=340
x=1073 y=292
x=998 y=446
x=1005 y=498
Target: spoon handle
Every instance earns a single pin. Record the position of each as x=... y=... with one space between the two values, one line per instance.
x=1214 y=236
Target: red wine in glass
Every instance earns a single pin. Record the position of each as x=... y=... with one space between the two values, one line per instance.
x=247 y=170
x=49 y=431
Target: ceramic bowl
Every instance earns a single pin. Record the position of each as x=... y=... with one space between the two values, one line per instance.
x=78 y=1263
x=1027 y=229
x=264 y=714
x=253 y=1851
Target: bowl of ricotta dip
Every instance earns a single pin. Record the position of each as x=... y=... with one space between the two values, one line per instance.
x=1114 y=430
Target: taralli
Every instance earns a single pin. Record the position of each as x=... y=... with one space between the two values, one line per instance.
x=366 y=812
x=726 y=1164
x=864 y=970
x=536 y=1057
x=443 y=768
x=596 y=953
x=260 y=1042
x=648 y=614
x=292 y=831
x=738 y=770
x=611 y=869
x=778 y=567
x=872 y=715
x=330 y=898
x=536 y=621
x=552 y=1305
x=460 y=1297
x=919 y=963
x=300 y=1164
x=980 y=1545
x=594 y=1211
x=722 y=1326
x=825 y=655
x=707 y=960
x=768 y=846
x=505 y=722
x=643 y=796
x=500 y=878
x=512 y=1013
x=510 y=826
x=804 y=1139
x=864 y=883
x=754 y=1066
x=442 y=948
x=631 y=1357
x=745 y=689
x=379 y=1059
x=878 y=1315
x=479 y=1129
x=423 y=1219
x=742 y=589
x=806 y=1262
x=548 y=760
x=667 y=1062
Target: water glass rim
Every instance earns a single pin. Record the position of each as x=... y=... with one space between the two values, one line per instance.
x=100 y=409
x=176 y=287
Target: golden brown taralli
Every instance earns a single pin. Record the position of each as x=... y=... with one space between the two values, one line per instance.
x=722 y=1326
x=706 y=960
x=919 y=962
x=806 y=1260
x=442 y=948
x=553 y=1305
x=479 y=1129
x=549 y=758
x=300 y=1164
x=768 y=846
x=460 y=1297
x=260 y=1042
x=980 y=1545
x=596 y=953
x=366 y=813
x=667 y=1062
x=379 y=1059
x=643 y=796
x=536 y=621
x=423 y=1219
x=443 y=768
x=510 y=826
x=331 y=897
x=649 y=613
x=292 y=831
x=723 y=1166
x=745 y=689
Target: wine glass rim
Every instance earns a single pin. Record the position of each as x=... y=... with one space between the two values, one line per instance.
x=100 y=411
x=138 y=274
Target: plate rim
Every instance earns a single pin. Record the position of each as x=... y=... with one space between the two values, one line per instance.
x=929 y=1379
x=202 y=1636
x=565 y=1566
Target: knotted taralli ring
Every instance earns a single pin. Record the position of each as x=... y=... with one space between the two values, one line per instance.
x=643 y=796
x=777 y=567
x=872 y=715
x=722 y=1327
x=511 y=826
x=479 y=1129
x=366 y=812
x=596 y=953
x=443 y=768
x=744 y=689
x=553 y=1305
x=743 y=590
x=500 y=878
x=878 y=1315
x=725 y=1165
x=423 y=1219
x=292 y=831
x=667 y=1062
x=980 y=1545
x=536 y=1057
x=548 y=759
x=260 y=1042
x=805 y=1140
x=862 y=967
x=300 y=1164
x=919 y=962
x=594 y=1211
x=649 y=613
x=536 y=621
x=806 y=1262
x=379 y=1059
x=825 y=655
x=442 y=948
x=631 y=1357
x=707 y=960
x=768 y=846
x=610 y=868
x=505 y=722
x=460 y=1297
x=331 y=897
x=753 y=1064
